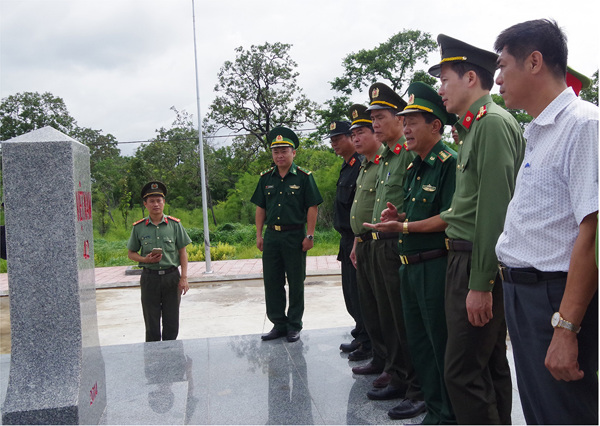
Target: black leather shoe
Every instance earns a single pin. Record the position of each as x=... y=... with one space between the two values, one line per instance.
x=273 y=334
x=293 y=335
x=367 y=369
x=382 y=381
x=359 y=354
x=388 y=392
x=407 y=409
x=349 y=347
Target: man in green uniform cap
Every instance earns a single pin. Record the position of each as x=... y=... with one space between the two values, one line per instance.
x=286 y=199
x=429 y=188
x=158 y=244
x=341 y=142
x=489 y=155
x=384 y=299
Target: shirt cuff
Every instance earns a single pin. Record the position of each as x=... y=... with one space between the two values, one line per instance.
x=482 y=280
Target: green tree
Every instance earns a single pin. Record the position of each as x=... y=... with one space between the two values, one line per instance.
x=591 y=93
x=23 y=112
x=520 y=114
x=256 y=92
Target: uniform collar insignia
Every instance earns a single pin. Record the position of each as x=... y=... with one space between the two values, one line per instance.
x=376 y=159
x=352 y=161
x=398 y=148
x=468 y=120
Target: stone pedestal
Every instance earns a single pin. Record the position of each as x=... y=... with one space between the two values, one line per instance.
x=56 y=370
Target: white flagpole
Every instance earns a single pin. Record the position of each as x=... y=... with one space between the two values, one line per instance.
x=201 y=152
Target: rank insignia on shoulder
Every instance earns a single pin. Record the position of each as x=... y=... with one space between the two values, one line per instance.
x=139 y=221
x=267 y=171
x=304 y=170
x=376 y=159
x=481 y=113
x=398 y=148
x=444 y=155
x=429 y=188
x=351 y=163
x=294 y=187
x=174 y=218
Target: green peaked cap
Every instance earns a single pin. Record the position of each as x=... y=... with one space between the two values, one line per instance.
x=424 y=98
x=282 y=136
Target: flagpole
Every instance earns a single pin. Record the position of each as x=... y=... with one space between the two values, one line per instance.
x=208 y=266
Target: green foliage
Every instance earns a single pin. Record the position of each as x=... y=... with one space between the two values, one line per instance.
x=220 y=251
x=591 y=93
x=520 y=115
x=335 y=109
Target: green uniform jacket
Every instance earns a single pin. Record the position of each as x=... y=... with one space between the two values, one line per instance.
x=429 y=188
x=364 y=198
x=489 y=156
x=286 y=200
x=168 y=235
x=391 y=175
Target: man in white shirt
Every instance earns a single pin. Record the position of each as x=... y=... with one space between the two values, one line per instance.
x=546 y=250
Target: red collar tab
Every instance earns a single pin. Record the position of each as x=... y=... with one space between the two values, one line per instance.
x=468 y=120
x=398 y=148
x=147 y=222
x=377 y=158
x=351 y=163
x=481 y=113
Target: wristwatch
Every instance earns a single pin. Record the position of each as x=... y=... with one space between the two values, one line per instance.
x=310 y=237
x=558 y=321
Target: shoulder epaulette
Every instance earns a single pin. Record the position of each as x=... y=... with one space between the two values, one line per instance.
x=139 y=221
x=304 y=171
x=481 y=113
x=444 y=155
x=174 y=218
x=267 y=171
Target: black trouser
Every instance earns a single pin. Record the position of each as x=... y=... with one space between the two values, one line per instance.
x=160 y=297
x=476 y=368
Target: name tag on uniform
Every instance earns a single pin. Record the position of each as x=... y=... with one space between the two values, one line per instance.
x=269 y=186
x=428 y=188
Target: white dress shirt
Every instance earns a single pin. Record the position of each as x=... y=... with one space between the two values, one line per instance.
x=557 y=186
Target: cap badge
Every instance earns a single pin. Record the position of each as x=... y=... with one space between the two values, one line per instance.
x=279 y=138
x=354 y=114
x=375 y=93
x=154 y=186
x=332 y=126
x=411 y=99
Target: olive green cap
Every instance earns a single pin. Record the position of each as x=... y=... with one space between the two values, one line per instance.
x=424 y=98
x=383 y=97
x=282 y=136
x=577 y=81
x=360 y=116
x=453 y=50
x=154 y=188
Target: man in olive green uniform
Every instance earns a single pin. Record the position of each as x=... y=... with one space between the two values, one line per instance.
x=383 y=254
x=429 y=188
x=286 y=199
x=161 y=283
x=489 y=155
x=341 y=142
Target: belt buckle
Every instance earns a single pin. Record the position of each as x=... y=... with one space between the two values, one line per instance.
x=161 y=272
x=403 y=259
x=447 y=240
x=277 y=227
x=501 y=269
x=374 y=235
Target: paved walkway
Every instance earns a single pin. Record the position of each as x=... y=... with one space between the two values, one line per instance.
x=222 y=270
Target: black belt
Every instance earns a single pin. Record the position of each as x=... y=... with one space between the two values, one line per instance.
x=527 y=275
x=285 y=227
x=423 y=256
x=160 y=271
x=458 y=245
x=376 y=236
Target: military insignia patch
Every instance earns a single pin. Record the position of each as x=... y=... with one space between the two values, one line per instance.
x=377 y=158
x=332 y=126
x=481 y=113
x=444 y=155
x=428 y=188
x=468 y=120
x=375 y=93
x=411 y=99
x=355 y=114
x=410 y=166
x=397 y=148
x=294 y=187
x=351 y=163
x=269 y=186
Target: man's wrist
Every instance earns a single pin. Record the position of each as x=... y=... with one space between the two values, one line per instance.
x=310 y=237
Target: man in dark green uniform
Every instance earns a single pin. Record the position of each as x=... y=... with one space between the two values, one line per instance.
x=341 y=142
x=489 y=155
x=286 y=199
x=429 y=188
x=158 y=244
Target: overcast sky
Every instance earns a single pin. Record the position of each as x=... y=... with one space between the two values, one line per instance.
x=120 y=65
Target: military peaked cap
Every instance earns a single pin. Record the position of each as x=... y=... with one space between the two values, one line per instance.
x=453 y=50
x=338 y=128
x=424 y=98
x=282 y=136
x=382 y=97
x=154 y=188
x=360 y=116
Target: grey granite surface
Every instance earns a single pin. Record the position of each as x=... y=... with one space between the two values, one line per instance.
x=57 y=371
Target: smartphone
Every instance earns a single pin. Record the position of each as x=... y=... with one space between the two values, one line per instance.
x=156 y=251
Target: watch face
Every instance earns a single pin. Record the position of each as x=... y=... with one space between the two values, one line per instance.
x=555 y=319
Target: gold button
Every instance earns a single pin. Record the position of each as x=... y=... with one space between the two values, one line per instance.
x=491 y=281
x=381 y=181
x=279 y=205
x=360 y=186
x=386 y=163
x=418 y=177
x=353 y=217
x=400 y=241
x=378 y=200
x=356 y=201
x=370 y=189
x=413 y=199
x=280 y=192
x=278 y=218
x=460 y=143
x=424 y=200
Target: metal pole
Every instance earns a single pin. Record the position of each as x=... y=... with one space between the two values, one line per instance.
x=201 y=152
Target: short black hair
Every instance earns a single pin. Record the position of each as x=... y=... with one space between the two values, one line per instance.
x=485 y=77
x=543 y=35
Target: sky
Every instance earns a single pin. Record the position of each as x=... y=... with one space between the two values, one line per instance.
x=120 y=65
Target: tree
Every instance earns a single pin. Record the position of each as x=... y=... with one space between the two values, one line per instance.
x=256 y=92
x=520 y=114
x=23 y=112
x=591 y=93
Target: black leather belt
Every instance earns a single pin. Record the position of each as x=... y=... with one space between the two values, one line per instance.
x=423 y=256
x=376 y=236
x=284 y=227
x=458 y=245
x=160 y=271
x=527 y=275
